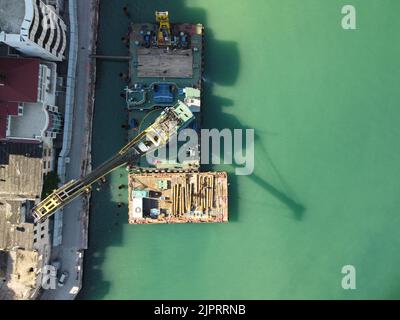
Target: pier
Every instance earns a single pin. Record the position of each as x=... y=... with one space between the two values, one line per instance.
x=107 y=57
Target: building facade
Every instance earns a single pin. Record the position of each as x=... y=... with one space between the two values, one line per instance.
x=27 y=100
x=27 y=104
x=33 y=28
x=25 y=245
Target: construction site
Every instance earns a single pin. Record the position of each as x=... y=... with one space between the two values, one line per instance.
x=166 y=68
x=178 y=197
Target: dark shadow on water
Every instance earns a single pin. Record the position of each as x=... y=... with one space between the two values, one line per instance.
x=222 y=63
x=106 y=219
x=296 y=208
x=215 y=117
x=284 y=193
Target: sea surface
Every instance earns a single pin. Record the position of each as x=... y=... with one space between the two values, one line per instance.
x=325 y=191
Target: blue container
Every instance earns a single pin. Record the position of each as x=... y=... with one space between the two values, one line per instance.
x=163 y=94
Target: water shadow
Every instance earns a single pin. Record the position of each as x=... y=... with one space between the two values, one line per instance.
x=219 y=119
x=106 y=219
x=222 y=66
x=284 y=193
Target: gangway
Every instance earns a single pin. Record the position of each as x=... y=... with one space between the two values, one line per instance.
x=170 y=121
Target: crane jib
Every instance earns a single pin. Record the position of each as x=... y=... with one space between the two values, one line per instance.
x=154 y=137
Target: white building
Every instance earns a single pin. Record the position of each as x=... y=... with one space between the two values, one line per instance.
x=33 y=28
x=38 y=120
x=28 y=112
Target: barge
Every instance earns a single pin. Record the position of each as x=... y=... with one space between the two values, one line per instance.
x=166 y=69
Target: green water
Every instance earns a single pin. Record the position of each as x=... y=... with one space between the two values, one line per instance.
x=324 y=103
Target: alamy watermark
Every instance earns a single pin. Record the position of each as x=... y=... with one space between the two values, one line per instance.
x=349 y=18
x=349 y=279
x=210 y=146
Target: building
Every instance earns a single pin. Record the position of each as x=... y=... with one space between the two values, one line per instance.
x=25 y=246
x=21 y=170
x=33 y=28
x=29 y=123
x=27 y=104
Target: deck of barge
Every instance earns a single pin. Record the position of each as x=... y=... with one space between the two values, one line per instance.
x=176 y=71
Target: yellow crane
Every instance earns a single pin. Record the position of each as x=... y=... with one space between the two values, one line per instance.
x=164 y=30
x=170 y=121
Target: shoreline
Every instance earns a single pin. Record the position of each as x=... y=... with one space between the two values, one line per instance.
x=87 y=163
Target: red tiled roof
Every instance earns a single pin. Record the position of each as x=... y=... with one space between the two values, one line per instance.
x=3 y=127
x=21 y=79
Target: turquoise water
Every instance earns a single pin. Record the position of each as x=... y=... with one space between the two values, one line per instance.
x=324 y=103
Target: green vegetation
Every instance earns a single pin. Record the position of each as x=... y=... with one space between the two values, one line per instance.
x=50 y=183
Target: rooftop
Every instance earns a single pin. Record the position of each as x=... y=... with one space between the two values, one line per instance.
x=19 y=79
x=13 y=232
x=34 y=121
x=21 y=174
x=22 y=274
x=12 y=14
x=32 y=150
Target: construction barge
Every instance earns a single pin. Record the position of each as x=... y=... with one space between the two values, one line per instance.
x=178 y=197
x=165 y=69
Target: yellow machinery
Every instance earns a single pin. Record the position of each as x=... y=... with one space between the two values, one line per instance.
x=155 y=136
x=164 y=30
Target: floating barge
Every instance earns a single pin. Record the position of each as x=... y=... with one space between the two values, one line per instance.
x=178 y=197
x=165 y=69
x=161 y=69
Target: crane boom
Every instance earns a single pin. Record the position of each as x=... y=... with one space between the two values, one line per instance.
x=170 y=121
